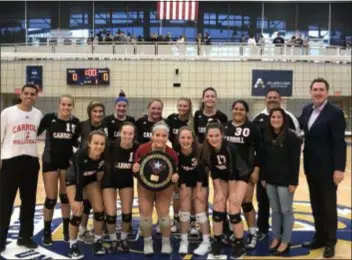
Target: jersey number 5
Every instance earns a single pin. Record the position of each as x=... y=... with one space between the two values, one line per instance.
x=70 y=128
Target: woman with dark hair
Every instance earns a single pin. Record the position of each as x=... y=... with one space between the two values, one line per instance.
x=96 y=112
x=230 y=177
x=279 y=162
x=191 y=189
x=208 y=112
x=119 y=175
x=82 y=180
x=247 y=139
x=115 y=120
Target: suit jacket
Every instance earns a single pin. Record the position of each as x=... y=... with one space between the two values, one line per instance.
x=325 y=145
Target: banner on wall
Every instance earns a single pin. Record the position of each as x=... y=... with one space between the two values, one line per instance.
x=34 y=75
x=262 y=80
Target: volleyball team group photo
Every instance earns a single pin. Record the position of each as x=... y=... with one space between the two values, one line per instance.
x=171 y=162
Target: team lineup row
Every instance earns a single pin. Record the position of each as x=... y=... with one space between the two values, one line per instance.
x=231 y=152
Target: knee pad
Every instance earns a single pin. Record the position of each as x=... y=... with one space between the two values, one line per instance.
x=235 y=218
x=127 y=218
x=202 y=218
x=219 y=216
x=146 y=223
x=63 y=198
x=165 y=222
x=185 y=216
x=75 y=220
x=176 y=196
x=50 y=203
x=111 y=220
x=247 y=207
x=87 y=207
x=99 y=216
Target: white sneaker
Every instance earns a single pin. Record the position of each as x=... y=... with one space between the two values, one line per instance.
x=203 y=249
x=251 y=242
x=183 y=247
x=166 y=248
x=174 y=227
x=148 y=247
x=194 y=231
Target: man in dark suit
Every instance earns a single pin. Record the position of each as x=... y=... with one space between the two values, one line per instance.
x=324 y=163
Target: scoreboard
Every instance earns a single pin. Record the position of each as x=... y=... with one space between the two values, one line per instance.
x=90 y=76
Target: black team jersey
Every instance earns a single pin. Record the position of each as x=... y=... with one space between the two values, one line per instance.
x=144 y=129
x=119 y=161
x=83 y=170
x=175 y=123
x=226 y=163
x=247 y=140
x=114 y=125
x=60 y=136
x=201 y=121
x=189 y=168
x=86 y=128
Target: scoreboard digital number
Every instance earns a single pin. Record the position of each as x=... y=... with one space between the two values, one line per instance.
x=88 y=77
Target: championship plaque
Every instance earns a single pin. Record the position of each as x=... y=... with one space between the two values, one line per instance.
x=156 y=170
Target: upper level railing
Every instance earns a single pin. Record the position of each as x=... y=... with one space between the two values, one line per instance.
x=180 y=50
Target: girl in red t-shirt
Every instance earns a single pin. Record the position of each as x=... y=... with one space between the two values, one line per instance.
x=162 y=199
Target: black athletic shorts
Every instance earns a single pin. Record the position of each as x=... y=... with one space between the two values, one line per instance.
x=54 y=163
x=118 y=181
x=205 y=178
x=234 y=177
x=189 y=179
x=71 y=180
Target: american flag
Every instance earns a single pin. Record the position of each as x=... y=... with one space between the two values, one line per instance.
x=177 y=10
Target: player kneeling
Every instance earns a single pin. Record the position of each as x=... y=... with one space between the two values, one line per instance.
x=86 y=168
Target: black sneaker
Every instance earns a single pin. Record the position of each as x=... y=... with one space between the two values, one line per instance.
x=261 y=236
x=27 y=242
x=237 y=251
x=114 y=247
x=47 y=240
x=216 y=247
x=251 y=242
x=123 y=246
x=66 y=237
x=98 y=247
x=74 y=252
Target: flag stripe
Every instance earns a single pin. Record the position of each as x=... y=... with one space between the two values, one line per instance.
x=186 y=10
x=196 y=10
x=180 y=10
x=177 y=10
x=167 y=10
x=174 y=16
x=193 y=10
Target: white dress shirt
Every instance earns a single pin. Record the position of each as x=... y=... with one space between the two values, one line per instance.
x=315 y=114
